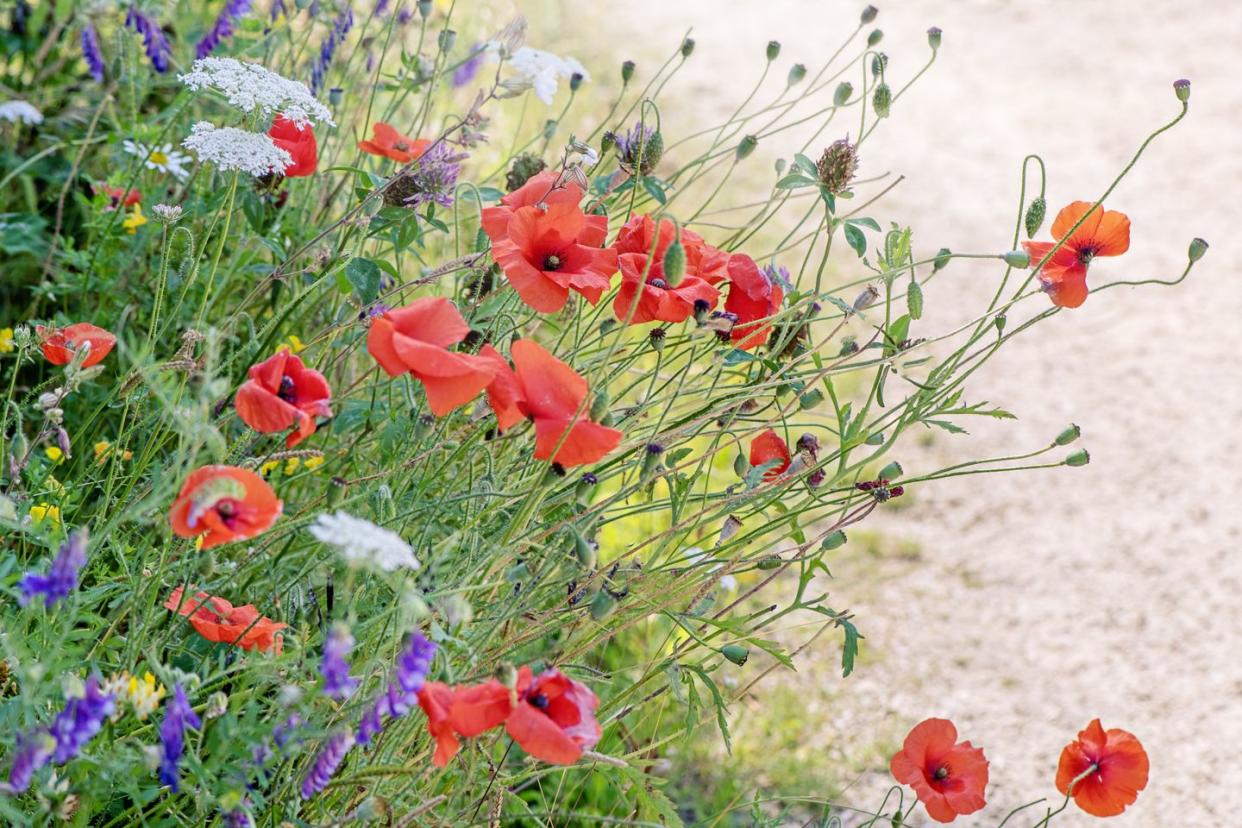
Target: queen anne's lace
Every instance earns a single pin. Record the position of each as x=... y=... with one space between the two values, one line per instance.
x=250 y=87
x=360 y=541
x=541 y=70
x=230 y=148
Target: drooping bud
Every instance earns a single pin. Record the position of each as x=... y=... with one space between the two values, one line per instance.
x=587 y=551
x=875 y=37
x=1181 y=88
x=1197 y=248
x=942 y=259
x=746 y=146
x=627 y=71
x=774 y=49
x=914 y=300
x=1069 y=435
x=933 y=37
x=879 y=62
x=735 y=653
x=675 y=261
x=882 y=100
x=833 y=541
x=868 y=14
x=1078 y=458
x=842 y=93
x=1035 y=216
x=687 y=47
x=1017 y=258
x=837 y=166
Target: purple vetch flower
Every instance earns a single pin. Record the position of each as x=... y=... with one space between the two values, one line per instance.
x=340 y=27
x=334 y=667
x=178 y=715
x=62 y=578
x=34 y=749
x=778 y=274
x=91 y=52
x=153 y=40
x=381 y=6
x=401 y=695
x=433 y=176
x=238 y=817
x=465 y=73
x=81 y=719
x=278 y=10
x=329 y=759
x=404 y=15
x=233 y=11
x=287 y=732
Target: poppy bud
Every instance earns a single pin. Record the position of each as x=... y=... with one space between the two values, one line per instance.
x=575 y=81
x=796 y=73
x=1078 y=458
x=586 y=550
x=735 y=653
x=868 y=14
x=687 y=47
x=602 y=605
x=875 y=37
x=447 y=38
x=506 y=674
x=1197 y=248
x=385 y=508
x=933 y=37
x=424 y=8
x=842 y=94
x=833 y=541
x=1035 y=216
x=627 y=71
x=1069 y=435
x=876 y=439
x=811 y=399
x=942 y=259
x=599 y=407
x=656 y=339
x=336 y=487
x=549 y=129
x=914 y=300
x=586 y=486
x=879 y=62
x=1181 y=88
x=1017 y=258
x=651 y=458
x=675 y=262
x=747 y=146
x=774 y=49
x=882 y=100
x=457 y=611
x=770 y=562
x=892 y=470
x=335 y=95
x=206 y=564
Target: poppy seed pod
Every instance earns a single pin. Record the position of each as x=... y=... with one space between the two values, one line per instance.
x=842 y=94
x=933 y=37
x=890 y=471
x=1035 y=216
x=1197 y=248
x=746 y=146
x=882 y=100
x=834 y=540
x=424 y=8
x=575 y=81
x=869 y=14
x=1017 y=258
x=1078 y=458
x=651 y=458
x=735 y=653
x=656 y=339
x=796 y=73
x=335 y=95
x=627 y=71
x=1181 y=88
x=687 y=47
x=447 y=39
x=1069 y=435
x=810 y=399
x=774 y=49
x=585 y=488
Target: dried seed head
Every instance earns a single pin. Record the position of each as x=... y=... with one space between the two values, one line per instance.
x=837 y=166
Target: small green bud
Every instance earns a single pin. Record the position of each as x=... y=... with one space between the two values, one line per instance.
x=868 y=14
x=796 y=73
x=675 y=262
x=586 y=550
x=599 y=405
x=687 y=47
x=627 y=71
x=1000 y=322
x=842 y=94
x=1035 y=216
x=811 y=399
x=447 y=39
x=607 y=325
x=1078 y=458
x=875 y=37
x=602 y=605
x=770 y=562
x=882 y=100
x=774 y=49
x=206 y=563
x=1197 y=248
x=517 y=573
x=424 y=8
x=741 y=466
x=914 y=300
x=735 y=653
x=336 y=488
x=834 y=540
x=1181 y=88
x=1069 y=435
x=585 y=488
x=891 y=472
x=879 y=62
x=876 y=439
x=746 y=146
x=1017 y=258
x=942 y=259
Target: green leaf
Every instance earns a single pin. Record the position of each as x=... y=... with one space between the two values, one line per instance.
x=849 y=651
x=364 y=276
x=654 y=189
x=485 y=194
x=718 y=701
x=806 y=165
x=947 y=426
x=856 y=239
x=22 y=233
x=737 y=355
x=865 y=222
x=793 y=181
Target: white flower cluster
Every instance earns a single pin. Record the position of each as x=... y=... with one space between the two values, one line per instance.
x=360 y=541
x=541 y=70
x=15 y=111
x=230 y=148
x=249 y=86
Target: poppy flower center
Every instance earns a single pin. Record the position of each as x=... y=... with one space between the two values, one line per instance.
x=552 y=262
x=540 y=701
x=286 y=391
x=942 y=772
x=658 y=283
x=401 y=145
x=1087 y=253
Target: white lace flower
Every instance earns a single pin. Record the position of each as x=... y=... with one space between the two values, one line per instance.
x=542 y=70
x=230 y=148
x=15 y=111
x=163 y=158
x=361 y=541
x=250 y=87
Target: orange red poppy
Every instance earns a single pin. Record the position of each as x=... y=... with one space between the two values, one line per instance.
x=753 y=298
x=1115 y=767
x=60 y=344
x=223 y=504
x=949 y=777
x=299 y=142
x=661 y=301
x=215 y=619
x=282 y=392
x=1064 y=275
x=388 y=143
x=770 y=447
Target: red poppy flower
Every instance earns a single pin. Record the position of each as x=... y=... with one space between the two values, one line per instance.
x=1118 y=766
x=415 y=340
x=478 y=708
x=546 y=390
x=299 y=142
x=541 y=189
x=224 y=504
x=702 y=260
x=948 y=776
x=282 y=391
x=1064 y=276
x=217 y=620
x=544 y=260
x=436 y=699
x=753 y=297
x=659 y=301
x=389 y=143
x=118 y=196
x=767 y=447
x=59 y=344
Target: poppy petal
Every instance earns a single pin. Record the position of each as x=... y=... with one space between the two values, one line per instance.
x=1069 y=216
x=1112 y=238
x=552 y=388
x=586 y=442
x=540 y=737
x=479 y=708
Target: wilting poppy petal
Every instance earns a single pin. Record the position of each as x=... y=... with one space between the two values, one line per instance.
x=299 y=142
x=435 y=698
x=224 y=504
x=1119 y=770
x=60 y=344
x=389 y=143
x=949 y=777
x=479 y=708
x=753 y=298
x=770 y=447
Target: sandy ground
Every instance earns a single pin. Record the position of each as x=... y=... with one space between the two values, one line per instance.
x=1043 y=599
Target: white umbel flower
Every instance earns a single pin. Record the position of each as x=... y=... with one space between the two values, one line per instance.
x=362 y=542
x=250 y=87
x=541 y=70
x=163 y=158
x=230 y=148
x=15 y=111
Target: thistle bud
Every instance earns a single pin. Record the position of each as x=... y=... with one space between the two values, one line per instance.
x=651 y=458
x=1069 y=435
x=746 y=146
x=868 y=14
x=933 y=37
x=687 y=47
x=447 y=39
x=735 y=653
x=882 y=100
x=796 y=73
x=1078 y=458
x=602 y=605
x=879 y=62
x=842 y=93
x=1181 y=88
x=875 y=37
x=833 y=541
x=837 y=166
x=585 y=488
x=1017 y=258
x=774 y=49
x=1035 y=216
x=1197 y=248
x=599 y=405
x=942 y=259
x=627 y=71
x=891 y=471
x=675 y=262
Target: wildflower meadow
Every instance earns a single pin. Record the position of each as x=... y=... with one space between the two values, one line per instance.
x=401 y=427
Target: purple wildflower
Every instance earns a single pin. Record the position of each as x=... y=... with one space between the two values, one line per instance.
x=153 y=39
x=239 y=817
x=401 y=695
x=404 y=16
x=81 y=719
x=329 y=759
x=178 y=715
x=92 y=53
x=335 y=669
x=340 y=27
x=233 y=11
x=778 y=274
x=381 y=6
x=62 y=578
x=465 y=73
x=286 y=733
x=639 y=149
x=433 y=176
x=278 y=9
x=33 y=750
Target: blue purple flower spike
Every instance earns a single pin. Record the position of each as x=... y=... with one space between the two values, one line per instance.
x=178 y=715
x=153 y=39
x=92 y=53
x=401 y=695
x=340 y=27
x=326 y=763
x=231 y=14
x=62 y=578
x=335 y=667
x=434 y=176
x=73 y=727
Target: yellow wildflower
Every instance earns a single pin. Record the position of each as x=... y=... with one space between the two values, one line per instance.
x=6 y=341
x=291 y=465
x=268 y=467
x=42 y=513
x=313 y=463
x=136 y=219
x=103 y=448
x=292 y=343
x=144 y=695
x=54 y=454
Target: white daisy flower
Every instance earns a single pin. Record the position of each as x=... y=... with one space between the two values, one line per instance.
x=15 y=111
x=361 y=541
x=541 y=70
x=162 y=158
x=230 y=148
x=250 y=87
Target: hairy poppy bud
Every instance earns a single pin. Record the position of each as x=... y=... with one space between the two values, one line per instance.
x=875 y=37
x=837 y=166
x=1181 y=88
x=811 y=399
x=914 y=300
x=602 y=605
x=833 y=541
x=1078 y=458
x=1197 y=248
x=746 y=146
x=1035 y=216
x=882 y=100
x=891 y=471
x=586 y=484
x=656 y=339
x=868 y=14
x=627 y=71
x=1017 y=258
x=587 y=551
x=687 y=47
x=942 y=259
x=842 y=93
x=735 y=653
x=770 y=562
x=599 y=406
x=879 y=62
x=774 y=49
x=336 y=487
x=1069 y=435
x=675 y=262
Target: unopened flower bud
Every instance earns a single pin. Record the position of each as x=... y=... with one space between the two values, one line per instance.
x=811 y=399
x=651 y=458
x=1035 y=216
x=687 y=47
x=774 y=49
x=447 y=39
x=1078 y=458
x=746 y=146
x=627 y=71
x=865 y=299
x=891 y=471
x=1197 y=248
x=335 y=95
x=599 y=406
x=587 y=551
x=575 y=81
x=942 y=259
x=62 y=441
x=1181 y=88
x=879 y=62
x=796 y=73
x=585 y=488
x=833 y=541
x=868 y=14
x=842 y=93
x=875 y=37
x=735 y=653
x=675 y=262
x=933 y=37
x=1017 y=258
x=731 y=527
x=741 y=465
x=882 y=100
x=602 y=605
x=217 y=706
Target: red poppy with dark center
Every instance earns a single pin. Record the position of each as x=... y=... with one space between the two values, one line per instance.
x=299 y=142
x=770 y=447
x=60 y=344
x=118 y=196
x=543 y=258
x=1115 y=765
x=217 y=620
x=436 y=699
x=702 y=260
x=949 y=777
x=753 y=298
x=224 y=504
x=1064 y=275
x=415 y=340
x=542 y=189
x=549 y=392
x=282 y=392
x=388 y=143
